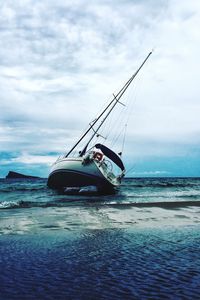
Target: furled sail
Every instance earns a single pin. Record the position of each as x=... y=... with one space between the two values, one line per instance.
x=111 y=155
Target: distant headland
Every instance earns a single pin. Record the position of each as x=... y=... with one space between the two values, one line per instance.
x=15 y=175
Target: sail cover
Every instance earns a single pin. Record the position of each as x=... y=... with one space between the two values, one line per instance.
x=112 y=155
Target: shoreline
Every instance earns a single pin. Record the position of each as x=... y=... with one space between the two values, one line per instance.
x=94 y=217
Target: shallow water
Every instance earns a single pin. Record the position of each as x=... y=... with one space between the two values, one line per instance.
x=140 y=243
x=28 y=206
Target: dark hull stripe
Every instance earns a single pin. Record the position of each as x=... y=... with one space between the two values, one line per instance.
x=68 y=178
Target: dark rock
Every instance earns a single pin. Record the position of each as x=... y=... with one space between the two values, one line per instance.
x=15 y=175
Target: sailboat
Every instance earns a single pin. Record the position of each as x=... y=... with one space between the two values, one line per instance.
x=94 y=164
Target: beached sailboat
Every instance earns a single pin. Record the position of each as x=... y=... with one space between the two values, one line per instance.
x=93 y=166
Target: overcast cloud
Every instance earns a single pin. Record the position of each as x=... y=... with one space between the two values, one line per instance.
x=60 y=60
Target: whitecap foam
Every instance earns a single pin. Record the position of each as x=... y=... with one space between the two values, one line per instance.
x=9 y=204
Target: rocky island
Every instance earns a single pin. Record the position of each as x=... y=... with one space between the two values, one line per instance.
x=15 y=175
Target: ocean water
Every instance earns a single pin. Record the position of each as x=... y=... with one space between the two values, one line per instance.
x=143 y=242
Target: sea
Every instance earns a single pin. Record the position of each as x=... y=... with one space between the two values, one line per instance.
x=141 y=242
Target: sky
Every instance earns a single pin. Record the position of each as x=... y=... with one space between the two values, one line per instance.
x=60 y=61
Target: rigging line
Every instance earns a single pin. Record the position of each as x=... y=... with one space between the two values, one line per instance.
x=116 y=99
x=111 y=102
x=117 y=134
x=137 y=90
x=110 y=128
x=121 y=122
x=130 y=169
x=94 y=134
x=124 y=138
x=116 y=102
x=91 y=125
x=120 y=117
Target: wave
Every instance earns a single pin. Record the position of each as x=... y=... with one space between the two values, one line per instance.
x=116 y=204
x=160 y=185
x=171 y=195
x=165 y=205
x=9 y=204
x=22 y=189
x=162 y=182
x=127 y=184
x=32 y=204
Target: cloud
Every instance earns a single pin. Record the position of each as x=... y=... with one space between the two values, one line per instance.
x=28 y=159
x=60 y=61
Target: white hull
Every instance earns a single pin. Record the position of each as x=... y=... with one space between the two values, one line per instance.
x=75 y=172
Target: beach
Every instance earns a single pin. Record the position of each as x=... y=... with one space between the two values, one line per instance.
x=140 y=243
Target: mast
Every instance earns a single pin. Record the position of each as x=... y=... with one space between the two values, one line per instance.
x=114 y=101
